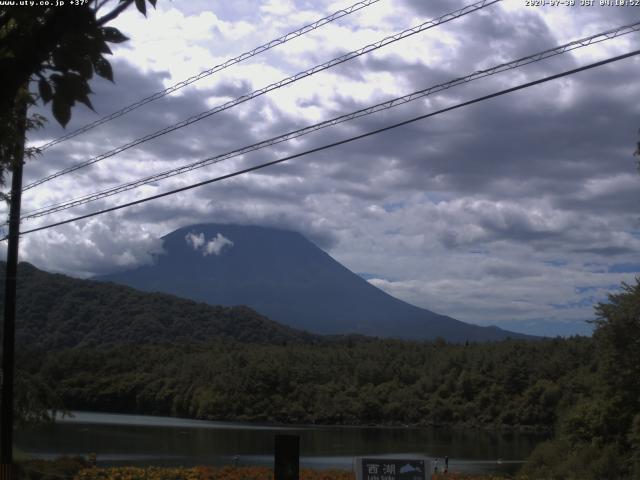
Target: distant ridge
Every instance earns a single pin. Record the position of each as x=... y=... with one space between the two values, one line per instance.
x=286 y=277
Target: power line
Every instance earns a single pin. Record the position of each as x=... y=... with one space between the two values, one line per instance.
x=240 y=58
x=289 y=80
x=334 y=144
x=385 y=41
x=583 y=42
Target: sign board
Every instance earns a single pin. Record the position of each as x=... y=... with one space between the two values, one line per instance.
x=392 y=469
x=287 y=457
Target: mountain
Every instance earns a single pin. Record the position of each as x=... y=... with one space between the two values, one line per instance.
x=284 y=276
x=56 y=312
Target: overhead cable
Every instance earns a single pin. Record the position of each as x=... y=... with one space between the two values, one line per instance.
x=289 y=80
x=334 y=144
x=243 y=56
x=536 y=57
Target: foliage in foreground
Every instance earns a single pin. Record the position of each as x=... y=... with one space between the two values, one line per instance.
x=60 y=48
x=599 y=437
x=203 y=473
x=84 y=472
x=60 y=468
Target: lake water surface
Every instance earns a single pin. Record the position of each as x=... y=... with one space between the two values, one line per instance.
x=146 y=440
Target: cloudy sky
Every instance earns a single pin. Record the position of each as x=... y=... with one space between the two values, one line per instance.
x=520 y=211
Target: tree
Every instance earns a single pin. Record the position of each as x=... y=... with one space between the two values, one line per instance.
x=617 y=336
x=610 y=417
x=36 y=402
x=600 y=435
x=10 y=135
x=54 y=51
x=59 y=48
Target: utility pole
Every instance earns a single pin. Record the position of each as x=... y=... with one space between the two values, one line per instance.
x=9 y=327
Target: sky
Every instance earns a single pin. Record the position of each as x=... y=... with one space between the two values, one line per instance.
x=519 y=211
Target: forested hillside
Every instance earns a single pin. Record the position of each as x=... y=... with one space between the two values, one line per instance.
x=56 y=311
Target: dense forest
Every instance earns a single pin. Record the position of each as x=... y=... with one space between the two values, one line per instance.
x=511 y=384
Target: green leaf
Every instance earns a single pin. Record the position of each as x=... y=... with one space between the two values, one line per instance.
x=45 y=90
x=113 y=35
x=66 y=88
x=83 y=98
x=153 y=2
x=62 y=58
x=86 y=68
x=142 y=7
x=61 y=110
x=104 y=48
x=103 y=68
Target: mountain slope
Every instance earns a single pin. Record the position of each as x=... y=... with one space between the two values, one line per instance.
x=286 y=277
x=56 y=311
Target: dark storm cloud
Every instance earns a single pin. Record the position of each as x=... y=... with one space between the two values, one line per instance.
x=129 y=86
x=547 y=144
x=229 y=132
x=491 y=33
x=435 y=8
x=217 y=134
x=488 y=40
x=608 y=251
x=509 y=150
x=613 y=17
x=237 y=204
x=427 y=150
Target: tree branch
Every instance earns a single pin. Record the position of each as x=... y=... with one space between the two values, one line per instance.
x=4 y=19
x=99 y=5
x=114 y=13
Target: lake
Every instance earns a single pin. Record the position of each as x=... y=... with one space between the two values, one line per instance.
x=147 y=440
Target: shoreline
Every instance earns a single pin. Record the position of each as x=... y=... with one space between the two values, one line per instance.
x=516 y=429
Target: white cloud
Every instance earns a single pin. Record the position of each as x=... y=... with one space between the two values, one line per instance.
x=91 y=248
x=195 y=240
x=211 y=247
x=216 y=245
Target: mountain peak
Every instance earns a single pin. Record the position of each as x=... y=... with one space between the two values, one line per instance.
x=281 y=274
